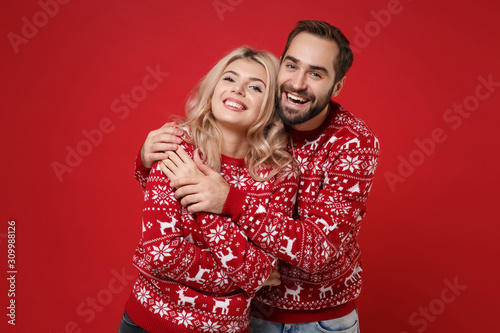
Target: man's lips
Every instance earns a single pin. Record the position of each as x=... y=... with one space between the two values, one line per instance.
x=295 y=99
x=234 y=104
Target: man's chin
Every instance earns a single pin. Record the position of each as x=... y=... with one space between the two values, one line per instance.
x=291 y=118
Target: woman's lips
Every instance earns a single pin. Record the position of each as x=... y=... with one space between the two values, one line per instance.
x=234 y=104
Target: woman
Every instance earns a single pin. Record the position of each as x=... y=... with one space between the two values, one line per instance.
x=199 y=272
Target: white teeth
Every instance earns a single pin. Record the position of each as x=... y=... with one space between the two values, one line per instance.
x=296 y=98
x=234 y=105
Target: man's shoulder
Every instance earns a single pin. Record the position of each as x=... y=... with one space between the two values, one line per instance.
x=346 y=129
x=345 y=120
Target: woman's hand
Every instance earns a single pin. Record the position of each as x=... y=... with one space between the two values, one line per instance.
x=198 y=187
x=179 y=164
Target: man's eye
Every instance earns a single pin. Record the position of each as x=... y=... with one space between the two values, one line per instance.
x=291 y=66
x=318 y=75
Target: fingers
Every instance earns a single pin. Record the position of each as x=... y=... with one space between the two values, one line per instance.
x=191 y=200
x=195 y=208
x=184 y=156
x=182 y=182
x=196 y=157
x=273 y=279
x=164 y=141
x=165 y=138
x=163 y=146
x=175 y=160
x=170 y=175
x=188 y=185
x=272 y=282
x=169 y=128
x=159 y=142
x=199 y=163
x=169 y=124
x=189 y=197
x=169 y=169
x=181 y=158
x=157 y=156
x=192 y=203
x=183 y=167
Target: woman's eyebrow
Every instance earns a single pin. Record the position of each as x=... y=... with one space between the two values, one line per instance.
x=251 y=78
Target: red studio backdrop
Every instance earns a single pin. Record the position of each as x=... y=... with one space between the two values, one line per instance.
x=83 y=82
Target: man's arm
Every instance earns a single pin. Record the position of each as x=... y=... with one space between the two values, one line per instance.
x=312 y=242
x=246 y=263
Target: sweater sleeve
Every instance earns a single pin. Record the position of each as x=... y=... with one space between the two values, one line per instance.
x=338 y=206
x=164 y=253
x=246 y=263
x=141 y=172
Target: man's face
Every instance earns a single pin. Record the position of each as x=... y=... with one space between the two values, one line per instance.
x=306 y=78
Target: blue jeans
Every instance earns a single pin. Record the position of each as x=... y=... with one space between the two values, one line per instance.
x=128 y=326
x=346 y=324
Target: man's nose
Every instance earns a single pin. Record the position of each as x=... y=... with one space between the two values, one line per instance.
x=299 y=82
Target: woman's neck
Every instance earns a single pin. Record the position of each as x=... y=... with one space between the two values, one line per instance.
x=234 y=144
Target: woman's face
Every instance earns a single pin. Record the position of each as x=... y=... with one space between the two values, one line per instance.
x=239 y=94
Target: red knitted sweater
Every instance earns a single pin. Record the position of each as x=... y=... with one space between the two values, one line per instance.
x=199 y=272
x=321 y=266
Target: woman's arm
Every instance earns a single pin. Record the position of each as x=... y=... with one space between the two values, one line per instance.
x=245 y=263
x=164 y=251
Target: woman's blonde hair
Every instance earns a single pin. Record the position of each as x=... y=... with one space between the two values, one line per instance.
x=267 y=137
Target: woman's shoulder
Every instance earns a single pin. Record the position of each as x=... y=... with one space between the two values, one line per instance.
x=187 y=140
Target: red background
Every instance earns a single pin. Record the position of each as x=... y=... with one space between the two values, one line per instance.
x=427 y=223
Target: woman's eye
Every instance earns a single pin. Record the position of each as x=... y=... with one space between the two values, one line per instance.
x=228 y=78
x=256 y=88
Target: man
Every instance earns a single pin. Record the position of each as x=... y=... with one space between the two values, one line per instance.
x=337 y=154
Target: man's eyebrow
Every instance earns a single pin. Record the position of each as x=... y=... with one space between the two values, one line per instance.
x=312 y=67
x=251 y=78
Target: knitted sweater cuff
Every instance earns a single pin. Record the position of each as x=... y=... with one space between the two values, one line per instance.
x=234 y=203
x=139 y=166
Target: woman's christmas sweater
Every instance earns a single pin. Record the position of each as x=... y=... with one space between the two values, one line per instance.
x=199 y=272
x=320 y=259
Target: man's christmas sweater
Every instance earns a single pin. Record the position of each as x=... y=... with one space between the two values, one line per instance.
x=320 y=262
x=199 y=272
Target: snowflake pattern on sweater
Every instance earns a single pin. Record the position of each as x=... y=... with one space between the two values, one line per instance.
x=321 y=265
x=200 y=271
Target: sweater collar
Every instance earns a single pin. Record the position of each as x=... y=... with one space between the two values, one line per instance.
x=301 y=136
x=233 y=161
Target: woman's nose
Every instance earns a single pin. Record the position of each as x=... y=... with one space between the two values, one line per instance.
x=238 y=89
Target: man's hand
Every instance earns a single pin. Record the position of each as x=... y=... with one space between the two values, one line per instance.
x=274 y=278
x=205 y=192
x=158 y=142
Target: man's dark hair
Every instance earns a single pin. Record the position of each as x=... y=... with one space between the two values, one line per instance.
x=327 y=31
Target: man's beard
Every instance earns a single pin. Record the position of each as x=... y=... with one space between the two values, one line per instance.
x=290 y=116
